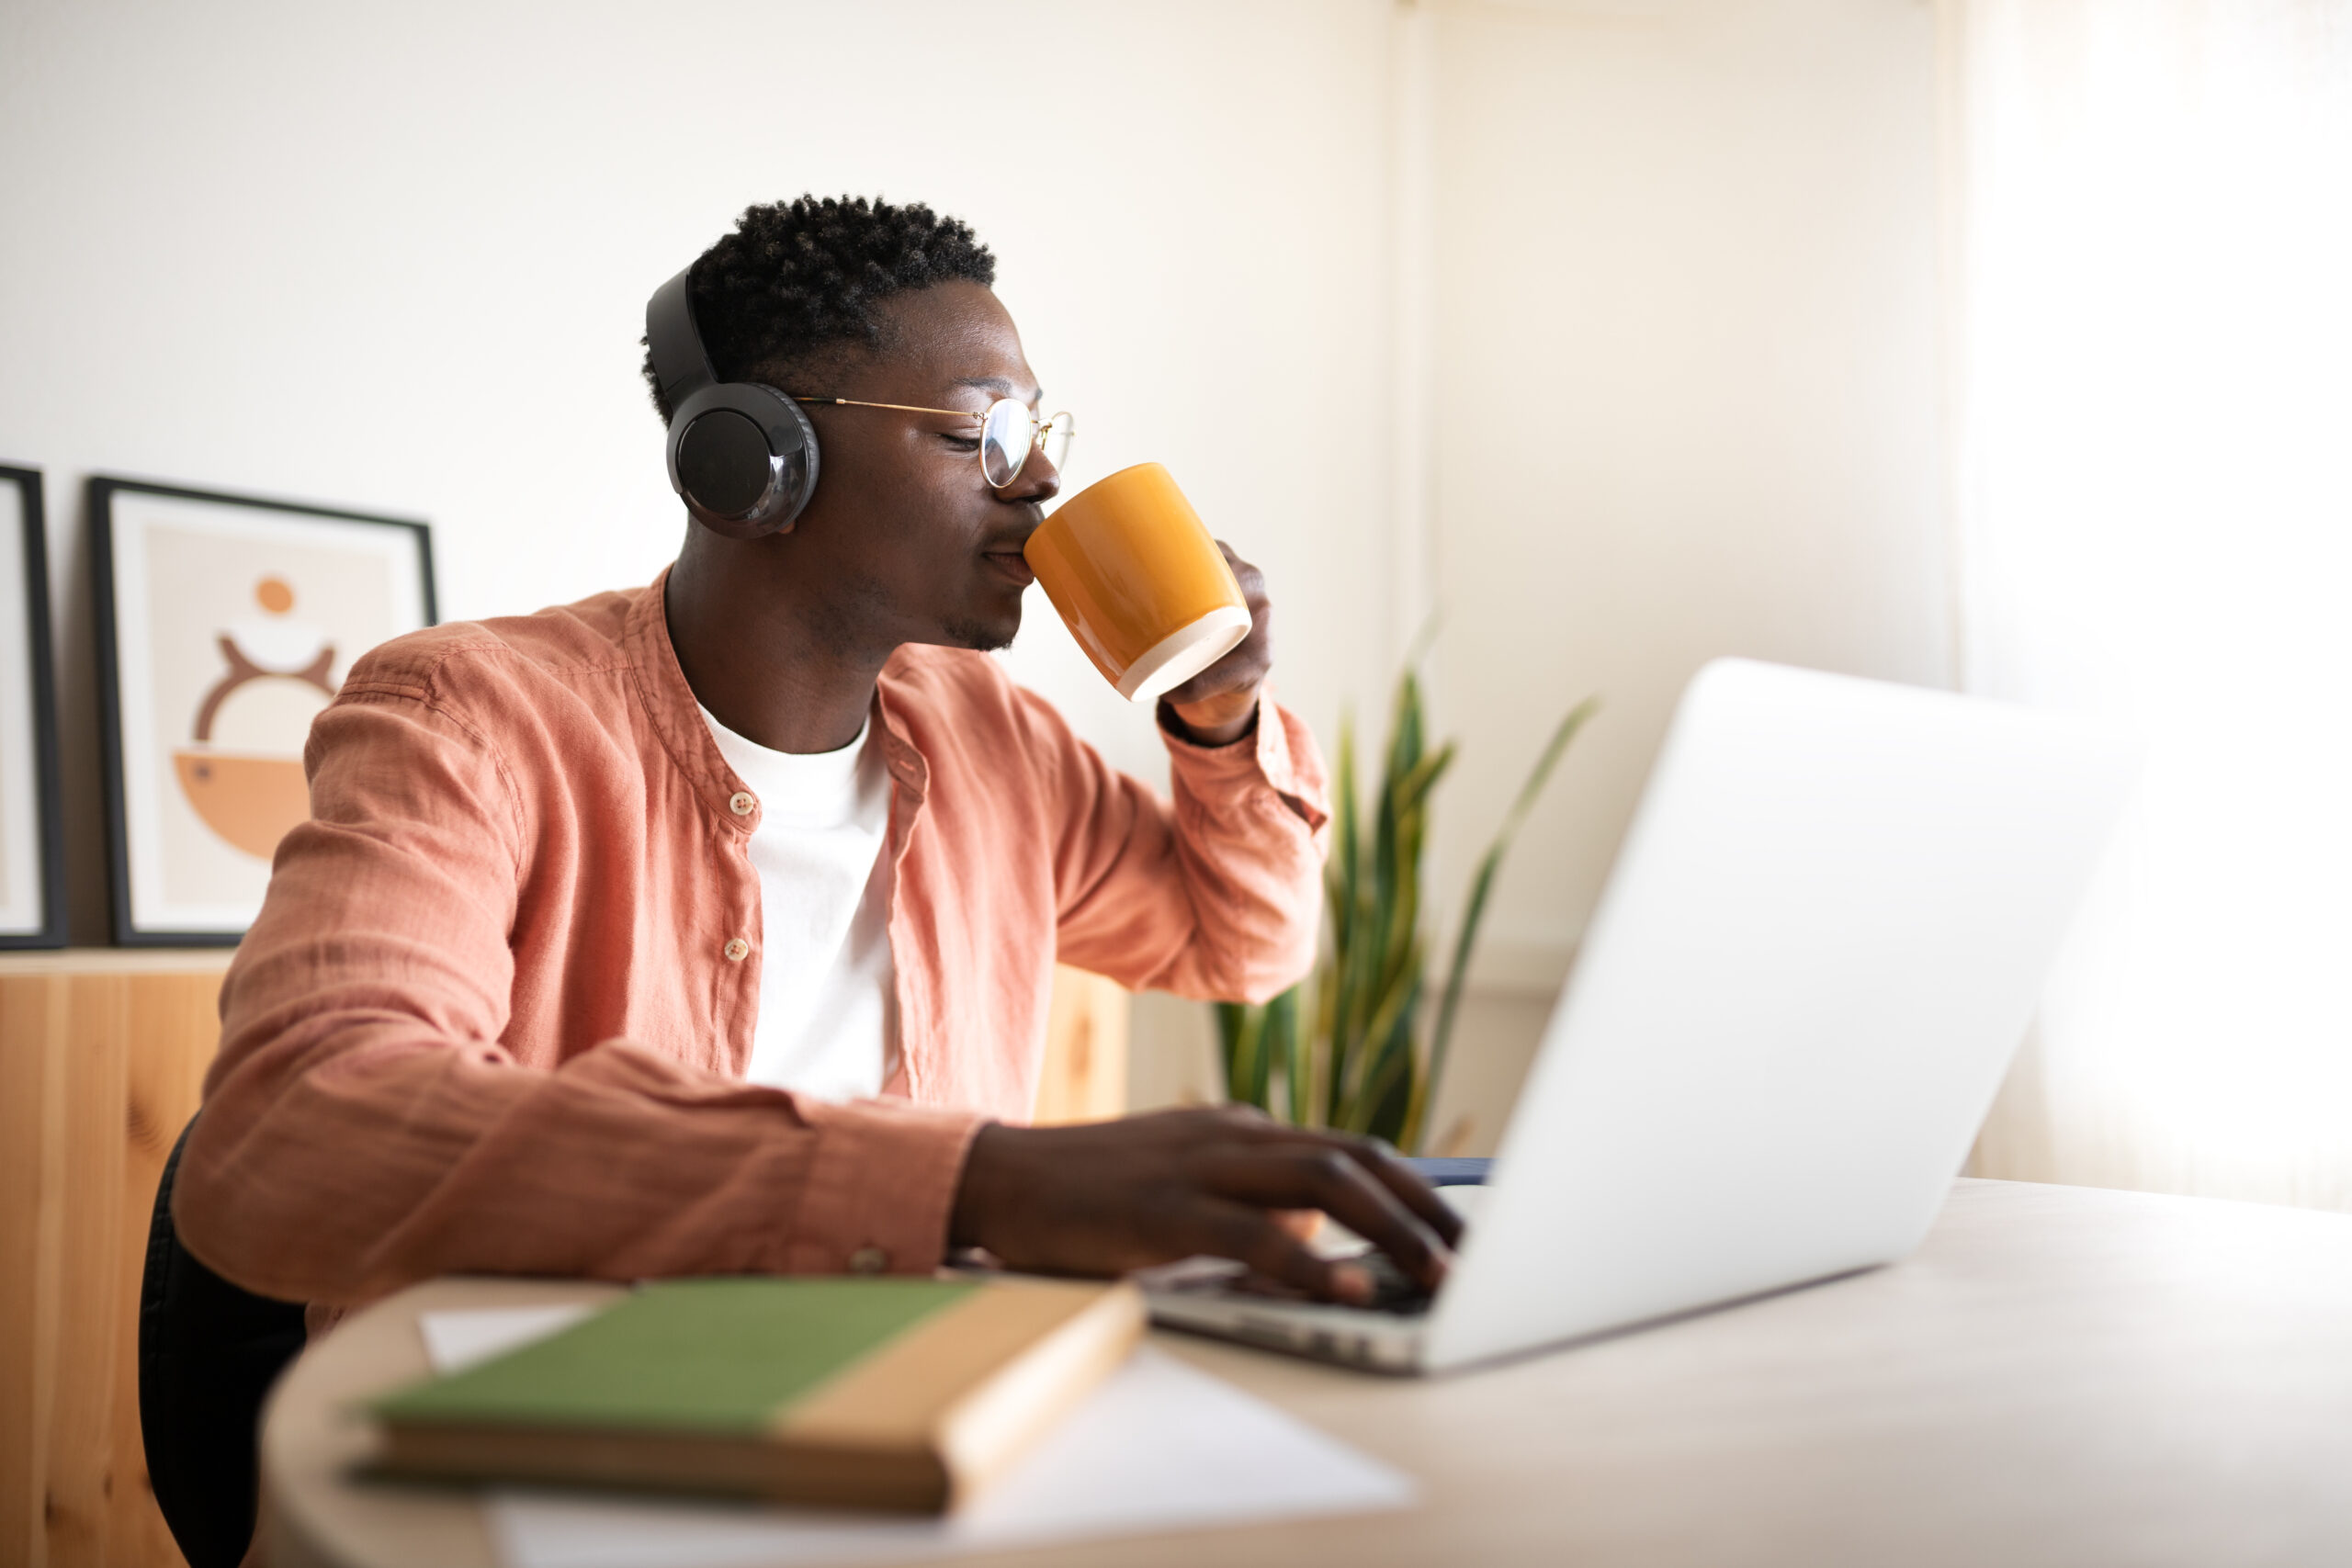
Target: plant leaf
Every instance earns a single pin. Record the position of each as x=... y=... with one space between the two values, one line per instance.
x=1278 y=1042
x=1389 y=1081
x=1391 y=1018
x=1243 y=1029
x=1341 y=877
x=1475 y=909
x=1413 y=789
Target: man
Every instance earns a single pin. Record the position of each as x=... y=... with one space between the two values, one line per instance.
x=708 y=928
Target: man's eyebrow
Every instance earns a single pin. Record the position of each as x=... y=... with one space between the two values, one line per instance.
x=996 y=384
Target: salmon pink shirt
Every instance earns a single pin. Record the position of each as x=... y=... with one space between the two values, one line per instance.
x=496 y=1010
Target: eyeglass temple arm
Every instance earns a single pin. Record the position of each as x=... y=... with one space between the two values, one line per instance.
x=902 y=408
x=1044 y=424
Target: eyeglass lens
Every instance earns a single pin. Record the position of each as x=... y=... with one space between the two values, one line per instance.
x=1058 y=431
x=1008 y=430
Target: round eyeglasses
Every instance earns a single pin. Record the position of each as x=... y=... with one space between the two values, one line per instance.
x=1009 y=432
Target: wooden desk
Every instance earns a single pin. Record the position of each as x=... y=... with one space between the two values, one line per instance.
x=2060 y=1375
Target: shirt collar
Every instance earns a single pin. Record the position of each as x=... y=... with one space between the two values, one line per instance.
x=676 y=717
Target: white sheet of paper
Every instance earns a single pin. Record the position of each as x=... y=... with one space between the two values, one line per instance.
x=456 y=1340
x=1160 y=1446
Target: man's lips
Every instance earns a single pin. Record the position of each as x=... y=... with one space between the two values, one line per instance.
x=1013 y=564
x=1005 y=554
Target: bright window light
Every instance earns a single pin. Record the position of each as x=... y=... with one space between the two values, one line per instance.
x=2156 y=353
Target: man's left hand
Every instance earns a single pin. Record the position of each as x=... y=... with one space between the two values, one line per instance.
x=1219 y=706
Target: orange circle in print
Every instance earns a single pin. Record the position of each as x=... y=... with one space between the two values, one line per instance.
x=274 y=594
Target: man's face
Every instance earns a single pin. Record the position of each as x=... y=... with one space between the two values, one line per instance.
x=907 y=540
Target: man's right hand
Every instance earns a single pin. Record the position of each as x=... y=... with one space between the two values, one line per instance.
x=1106 y=1197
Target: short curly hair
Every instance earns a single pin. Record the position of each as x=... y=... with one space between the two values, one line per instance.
x=799 y=277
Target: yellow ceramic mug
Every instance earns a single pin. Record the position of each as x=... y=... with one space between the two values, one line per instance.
x=1139 y=583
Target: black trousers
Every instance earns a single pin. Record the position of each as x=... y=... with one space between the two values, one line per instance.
x=207 y=1353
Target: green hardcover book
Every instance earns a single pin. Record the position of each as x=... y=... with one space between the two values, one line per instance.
x=882 y=1394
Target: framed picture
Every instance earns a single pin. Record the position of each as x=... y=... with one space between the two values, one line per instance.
x=32 y=842
x=225 y=622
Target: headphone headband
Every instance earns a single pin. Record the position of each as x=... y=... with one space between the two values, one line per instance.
x=680 y=362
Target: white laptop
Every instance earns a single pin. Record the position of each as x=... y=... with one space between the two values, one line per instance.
x=1825 y=934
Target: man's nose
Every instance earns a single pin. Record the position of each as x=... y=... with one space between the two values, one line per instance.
x=1037 y=481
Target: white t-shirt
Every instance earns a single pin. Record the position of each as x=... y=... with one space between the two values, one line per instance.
x=827 y=1004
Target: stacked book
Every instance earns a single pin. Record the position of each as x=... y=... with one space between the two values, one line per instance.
x=884 y=1393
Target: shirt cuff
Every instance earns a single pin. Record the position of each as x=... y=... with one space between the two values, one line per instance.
x=881 y=1190
x=1280 y=751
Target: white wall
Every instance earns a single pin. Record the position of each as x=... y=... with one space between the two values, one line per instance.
x=1685 y=332
x=1681 y=322
x=396 y=258
x=1666 y=266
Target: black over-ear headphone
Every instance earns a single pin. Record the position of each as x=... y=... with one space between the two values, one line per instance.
x=743 y=455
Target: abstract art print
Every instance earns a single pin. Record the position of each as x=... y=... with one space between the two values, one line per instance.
x=225 y=622
x=32 y=870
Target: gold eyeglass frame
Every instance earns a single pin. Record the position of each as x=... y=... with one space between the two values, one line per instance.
x=1039 y=428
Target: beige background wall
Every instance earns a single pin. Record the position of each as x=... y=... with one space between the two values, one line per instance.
x=1681 y=318
x=1607 y=327
x=396 y=258
x=1687 y=376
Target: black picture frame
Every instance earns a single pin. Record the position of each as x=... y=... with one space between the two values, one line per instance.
x=104 y=491
x=48 y=803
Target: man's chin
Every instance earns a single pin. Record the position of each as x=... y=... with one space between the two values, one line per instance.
x=983 y=635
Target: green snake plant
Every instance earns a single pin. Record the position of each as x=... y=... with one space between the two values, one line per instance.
x=1345 y=1044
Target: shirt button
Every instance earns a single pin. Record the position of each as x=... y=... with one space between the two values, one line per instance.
x=868 y=1261
x=736 y=949
x=742 y=803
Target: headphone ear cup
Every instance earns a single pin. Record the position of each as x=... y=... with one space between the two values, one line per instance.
x=743 y=457
x=797 y=479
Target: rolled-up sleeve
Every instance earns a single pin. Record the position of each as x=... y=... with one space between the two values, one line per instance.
x=363 y=1128
x=1214 y=895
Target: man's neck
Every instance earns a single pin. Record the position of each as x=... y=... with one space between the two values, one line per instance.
x=768 y=666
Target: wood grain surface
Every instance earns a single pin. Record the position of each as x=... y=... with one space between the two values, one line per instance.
x=101 y=1058
x=2060 y=1375
x=1085 y=1074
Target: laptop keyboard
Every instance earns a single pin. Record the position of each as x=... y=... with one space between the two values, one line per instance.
x=1392 y=1289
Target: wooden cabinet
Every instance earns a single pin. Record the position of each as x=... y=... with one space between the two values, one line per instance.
x=102 y=1054
x=1084 y=1077
x=101 y=1058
